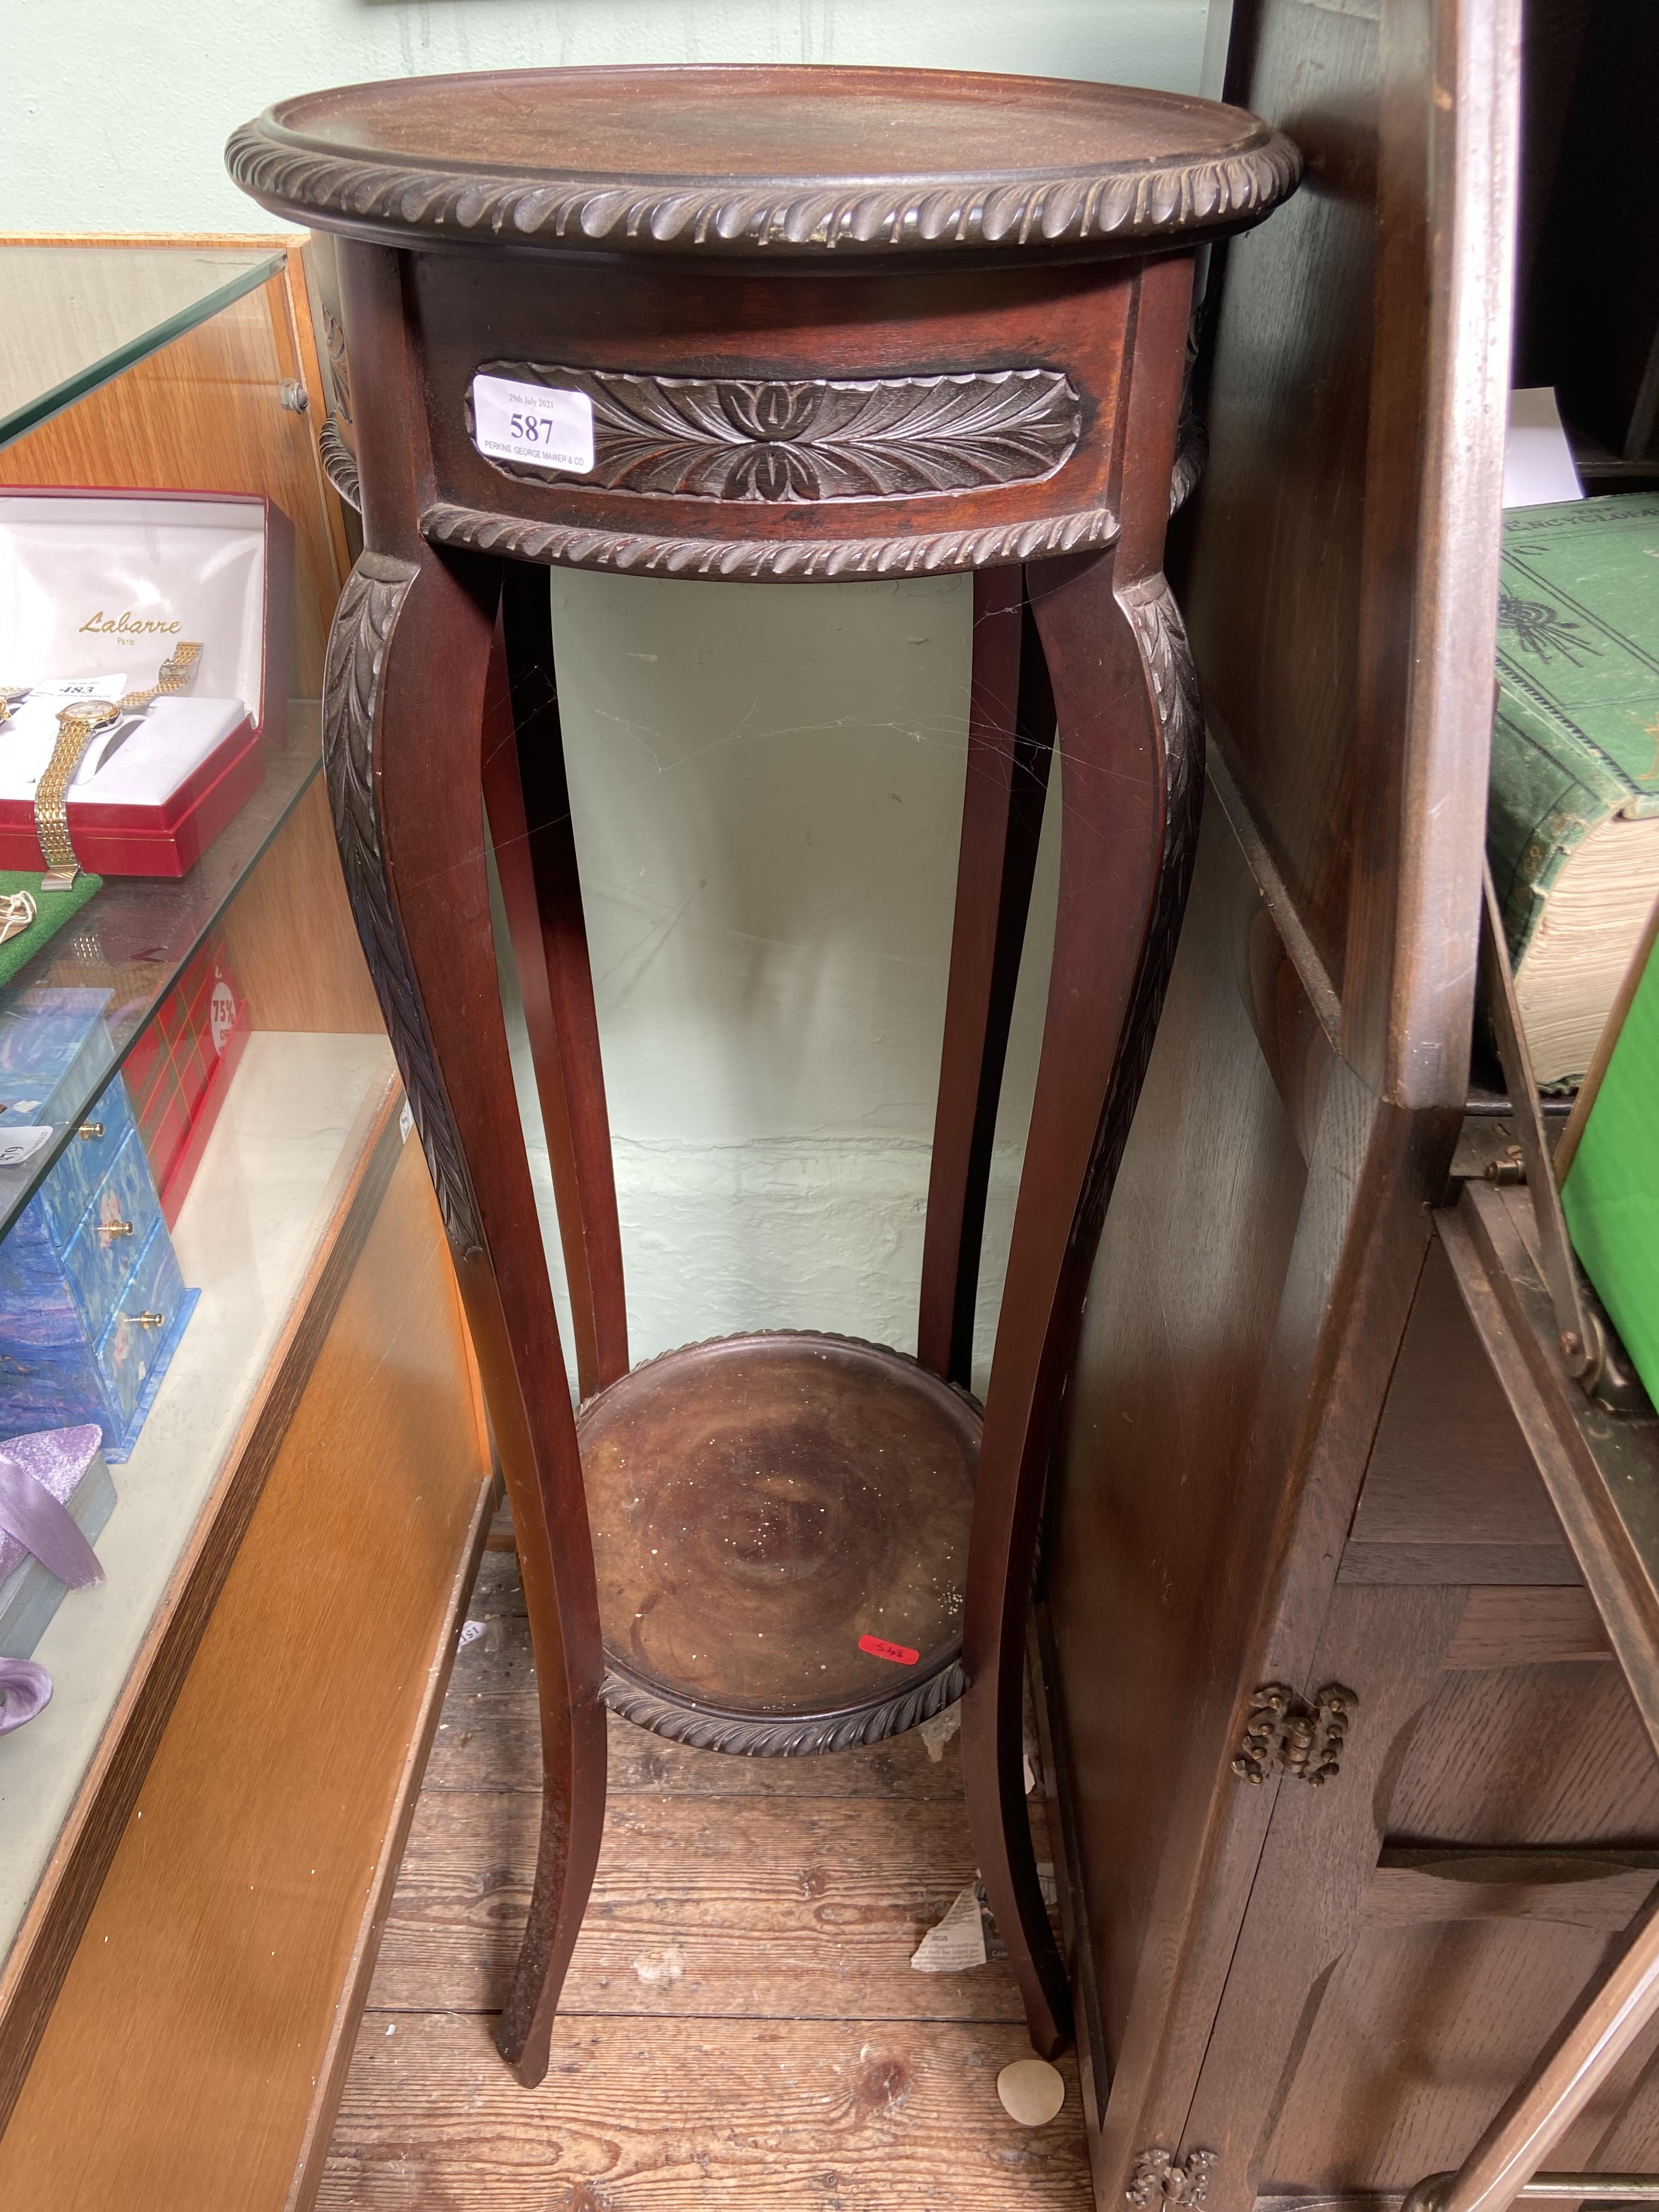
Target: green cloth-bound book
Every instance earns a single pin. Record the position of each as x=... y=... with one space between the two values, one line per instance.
x=1572 y=829
x=1611 y=1192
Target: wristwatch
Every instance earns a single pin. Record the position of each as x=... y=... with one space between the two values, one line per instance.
x=77 y=725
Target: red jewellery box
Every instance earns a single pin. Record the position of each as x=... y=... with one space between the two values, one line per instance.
x=180 y=1070
x=97 y=588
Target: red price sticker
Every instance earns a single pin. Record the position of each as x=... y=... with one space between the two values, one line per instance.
x=879 y=1648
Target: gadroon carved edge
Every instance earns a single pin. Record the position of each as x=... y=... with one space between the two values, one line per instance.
x=782 y=1736
x=340 y=464
x=1225 y=192
x=780 y=560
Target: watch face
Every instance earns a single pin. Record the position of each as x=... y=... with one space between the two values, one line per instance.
x=91 y=712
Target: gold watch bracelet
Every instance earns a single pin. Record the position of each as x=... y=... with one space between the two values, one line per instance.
x=77 y=725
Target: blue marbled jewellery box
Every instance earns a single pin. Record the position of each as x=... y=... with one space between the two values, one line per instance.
x=92 y=1304
x=54 y=1048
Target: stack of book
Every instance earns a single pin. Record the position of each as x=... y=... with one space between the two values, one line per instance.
x=1573 y=830
x=1573 y=839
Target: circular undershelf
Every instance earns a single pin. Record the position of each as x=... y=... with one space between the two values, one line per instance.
x=781 y=1533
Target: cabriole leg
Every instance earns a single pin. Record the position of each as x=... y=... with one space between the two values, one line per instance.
x=1130 y=738
x=403 y=709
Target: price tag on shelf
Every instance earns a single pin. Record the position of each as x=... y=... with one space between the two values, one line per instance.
x=533 y=423
x=60 y=691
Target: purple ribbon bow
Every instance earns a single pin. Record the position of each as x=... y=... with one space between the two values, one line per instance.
x=24 y=1689
x=30 y=1512
x=33 y=1518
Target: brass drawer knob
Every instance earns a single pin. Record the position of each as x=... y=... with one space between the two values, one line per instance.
x=91 y=1129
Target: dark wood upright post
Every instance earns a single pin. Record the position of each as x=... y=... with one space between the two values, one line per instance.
x=528 y=796
x=1011 y=731
x=403 y=715
x=1131 y=770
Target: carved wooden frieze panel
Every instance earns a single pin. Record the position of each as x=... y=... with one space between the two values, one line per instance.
x=803 y=441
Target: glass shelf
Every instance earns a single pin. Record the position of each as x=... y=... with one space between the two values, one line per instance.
x=301 y=1113
x=77 y=315
x=135 y=937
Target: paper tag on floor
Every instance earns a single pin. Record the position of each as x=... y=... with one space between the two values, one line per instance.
x=967 y=1936
x=938 y=1731
x=958 y=1941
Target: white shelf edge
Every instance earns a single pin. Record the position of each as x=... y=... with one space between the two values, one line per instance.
x=300 y=1113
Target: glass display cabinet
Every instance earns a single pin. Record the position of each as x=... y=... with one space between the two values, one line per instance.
x=228 y=1331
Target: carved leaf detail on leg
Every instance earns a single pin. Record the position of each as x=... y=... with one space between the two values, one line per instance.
x=1162 y=638
x=363 y=625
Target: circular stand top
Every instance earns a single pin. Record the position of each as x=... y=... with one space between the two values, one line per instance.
x=735 y=161
x=780 y=1531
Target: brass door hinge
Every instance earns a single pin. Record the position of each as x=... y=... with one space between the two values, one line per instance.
x=1304 y=1738
x=1161 y=2178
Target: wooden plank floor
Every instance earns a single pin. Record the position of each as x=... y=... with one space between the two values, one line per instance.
x=741 y=2027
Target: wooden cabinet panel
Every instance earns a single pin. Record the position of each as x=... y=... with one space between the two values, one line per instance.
x=1151 y=1562
x=1528 y=1627
x=1385 y=1645
x=1415 y=2041
x=1276 y=637
x=1387 y=1996
x=1603 y=1890
x=1552 y=1755
x=1451 y=1493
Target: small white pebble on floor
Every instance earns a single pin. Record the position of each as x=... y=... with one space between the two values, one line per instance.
x=1032 y=2091
x=392 y=2030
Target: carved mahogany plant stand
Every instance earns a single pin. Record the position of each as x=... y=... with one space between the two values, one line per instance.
x=805 y=323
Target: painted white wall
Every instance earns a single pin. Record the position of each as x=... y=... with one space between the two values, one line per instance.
x=767 y=780
x=767 y=785
x=115 y=115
